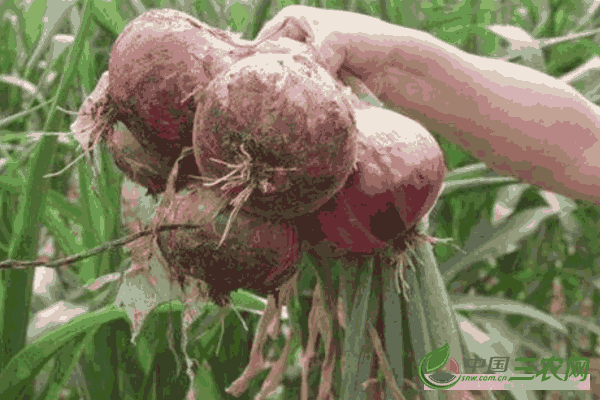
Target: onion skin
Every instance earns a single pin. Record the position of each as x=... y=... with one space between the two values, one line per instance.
x=90 y=123
x=141 y=165
x=157 y=63
x=403 y=167
x=296 y=124
x=257 y=254
x=159 y=67
x=398 y=177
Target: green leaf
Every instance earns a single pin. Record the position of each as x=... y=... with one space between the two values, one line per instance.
x=210 y=11
x=507 y=306
x=233 y=343
x=56 y=11
x=542 y=12
x=240 y=17
x=442 y=325
x=210 y=314
x=166 y=380
x=14 y=117
x=204 y=383
x=470 y=171
x=165 y=320
x=110 y=201
x=59 y=202
x=247 y=301
x=131 y=376
x=357 y=353
x=522 y=44
x=7 y=206
x=402 y=12
x=17 y=284
x=526 y=274
x=24 y=366
x=109 y=15
x=260 y=17
x=368 y=7
x=92 y=222
x=62 y=233
x=105 y=362
x=486 y=240
x=392 y=324
x=437 y=358
x=12 y=184
x=416 y=323
x=313 y=263
x=87 y=71
x=580 y=322
x=507 y=200
x=464 y=184
x=31 y=16
x=335 y=4
x=11 y=42
x=64 y=365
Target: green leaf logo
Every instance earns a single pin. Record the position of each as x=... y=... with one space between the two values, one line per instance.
x=437 y=358
x=431 y=363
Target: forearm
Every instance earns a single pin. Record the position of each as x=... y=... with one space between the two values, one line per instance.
x=531 y=125
x=519 y=121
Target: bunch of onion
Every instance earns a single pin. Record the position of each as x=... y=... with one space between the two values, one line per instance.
x=277 y=134
x=156 y=64
x=159 y=67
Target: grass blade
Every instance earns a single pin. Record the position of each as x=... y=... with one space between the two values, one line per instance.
x=358 y=354
x=24 y=366
x=392 y=328
x=64 y=364
x=15 y=302
x=260 y=17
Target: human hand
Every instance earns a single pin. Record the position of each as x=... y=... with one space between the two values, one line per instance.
x=305 y=24
x=360 y=43
x=510 y=116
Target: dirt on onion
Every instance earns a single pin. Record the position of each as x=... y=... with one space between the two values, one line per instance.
x=398 y=176
x=160 y=64
x=158 y=60
x=257 y=254
x=277 y=132
x=156 y=64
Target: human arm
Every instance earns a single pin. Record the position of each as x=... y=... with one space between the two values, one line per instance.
x=519 y=121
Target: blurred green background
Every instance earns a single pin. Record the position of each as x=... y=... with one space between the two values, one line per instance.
x=506 y=246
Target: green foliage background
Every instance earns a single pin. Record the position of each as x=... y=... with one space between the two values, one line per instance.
x=51 y=56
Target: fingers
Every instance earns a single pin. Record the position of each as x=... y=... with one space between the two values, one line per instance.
x=306 y=25
x=282 y=25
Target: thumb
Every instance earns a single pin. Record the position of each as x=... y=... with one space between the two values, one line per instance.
x=304 y=27
x=282 y=26
x=309 y=27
